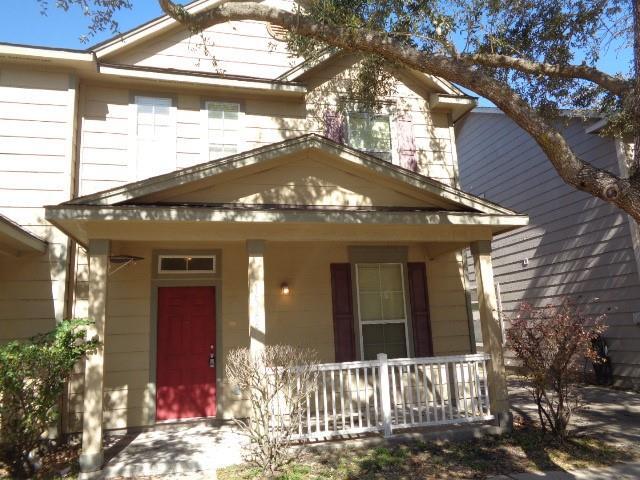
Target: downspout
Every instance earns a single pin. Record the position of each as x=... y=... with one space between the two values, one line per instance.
x=70 y=279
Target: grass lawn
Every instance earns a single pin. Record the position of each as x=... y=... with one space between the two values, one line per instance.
x=523 y=450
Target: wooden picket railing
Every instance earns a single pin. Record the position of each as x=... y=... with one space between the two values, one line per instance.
x=383 y=395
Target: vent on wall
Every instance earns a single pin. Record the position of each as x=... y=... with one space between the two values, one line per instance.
x=277 y=32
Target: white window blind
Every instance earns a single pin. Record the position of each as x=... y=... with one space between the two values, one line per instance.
x=381 y=304
x=223 y=129
x=155 y=136
x=370 y=133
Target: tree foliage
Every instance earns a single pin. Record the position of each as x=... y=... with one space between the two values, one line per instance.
x=552 y=345
x=33 y=374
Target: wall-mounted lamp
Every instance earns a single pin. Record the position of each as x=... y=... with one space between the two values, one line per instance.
x=284 y=289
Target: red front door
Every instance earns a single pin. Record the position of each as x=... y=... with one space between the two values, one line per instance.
x=185 y=379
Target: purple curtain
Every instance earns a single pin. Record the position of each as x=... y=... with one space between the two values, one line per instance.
x=334 y=126
x=406 y=143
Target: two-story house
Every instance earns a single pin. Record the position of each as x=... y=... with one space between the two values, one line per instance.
x=190 y=206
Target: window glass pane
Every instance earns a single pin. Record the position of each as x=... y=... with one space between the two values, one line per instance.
x=145 y=131
x=222 y=128
x=370 y=306
x=173 y=264
x=391 y=277
x=201 y=263
x=370 y=133
x=386 y=338
x=392 y=306
x=368 y=278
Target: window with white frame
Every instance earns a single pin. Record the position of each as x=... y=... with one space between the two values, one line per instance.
x=155 y=136
x=187 y=264
x=382 y=311
x=370 y=133
x=223 y=128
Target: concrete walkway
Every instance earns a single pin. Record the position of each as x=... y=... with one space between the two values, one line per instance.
x=194 y=452
x=623 y=471
x=611 y=415
x=182 y=451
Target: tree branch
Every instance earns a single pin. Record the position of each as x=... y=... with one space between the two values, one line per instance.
x=574 y=171
x=616 y=85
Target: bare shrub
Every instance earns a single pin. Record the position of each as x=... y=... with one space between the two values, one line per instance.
x=277 y=382
x=552 y=344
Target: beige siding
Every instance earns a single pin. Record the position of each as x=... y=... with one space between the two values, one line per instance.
x=575 y=245
x=300 y=182
x=37 y=111
x=430 y=129
x=304 y=318
x=108 y=126
x=239 y=48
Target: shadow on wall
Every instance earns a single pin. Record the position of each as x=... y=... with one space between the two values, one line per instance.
x=32 y=288
x=576 y=245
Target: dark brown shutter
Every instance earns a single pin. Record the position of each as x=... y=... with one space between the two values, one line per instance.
x=343 y=337
x=419 y=299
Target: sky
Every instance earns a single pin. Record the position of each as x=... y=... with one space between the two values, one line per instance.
x=22 y=22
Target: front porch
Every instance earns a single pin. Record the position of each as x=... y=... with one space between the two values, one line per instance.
x=322 y=247
x=453 y=386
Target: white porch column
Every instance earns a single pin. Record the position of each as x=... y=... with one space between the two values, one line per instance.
x=91 y=458
x=491 y=330
x=257 y=315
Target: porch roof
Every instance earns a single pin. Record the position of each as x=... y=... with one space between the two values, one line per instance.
x=440 y=211
x=16 y=241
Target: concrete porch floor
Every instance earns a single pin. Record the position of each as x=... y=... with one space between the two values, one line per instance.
x=192 y=451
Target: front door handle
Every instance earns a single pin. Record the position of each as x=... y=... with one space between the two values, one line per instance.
x=212 y=360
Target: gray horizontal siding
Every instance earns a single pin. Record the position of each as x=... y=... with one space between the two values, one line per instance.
x=575 y=244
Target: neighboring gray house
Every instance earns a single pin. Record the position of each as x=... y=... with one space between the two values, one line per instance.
x=575 y=245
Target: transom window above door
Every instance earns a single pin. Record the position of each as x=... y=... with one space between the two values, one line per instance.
x=187 y=264
x=382 y=309
x=223 y=128
x=370 y=133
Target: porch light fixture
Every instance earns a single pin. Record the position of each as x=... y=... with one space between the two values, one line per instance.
x=284 y=289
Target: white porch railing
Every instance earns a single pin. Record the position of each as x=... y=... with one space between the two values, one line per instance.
x=383 y=395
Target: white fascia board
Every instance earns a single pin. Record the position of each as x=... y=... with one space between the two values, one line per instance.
x=458 y=104
x=137 y=213
x=26 y=52
x=182 y=78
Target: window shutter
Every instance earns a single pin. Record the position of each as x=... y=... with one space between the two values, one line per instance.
x=334 y=127
x=419 y=299
x=406 y=143
x=341 y=295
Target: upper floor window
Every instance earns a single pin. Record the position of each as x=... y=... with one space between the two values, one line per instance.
x=223 y=129
x=155 y=136
x=370 y=133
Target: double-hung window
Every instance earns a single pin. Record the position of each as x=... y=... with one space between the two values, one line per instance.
x=382 y=309
x=370 y=133
x=155 y=136
x=223 y=129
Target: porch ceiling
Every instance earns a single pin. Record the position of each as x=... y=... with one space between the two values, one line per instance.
x=187 y=223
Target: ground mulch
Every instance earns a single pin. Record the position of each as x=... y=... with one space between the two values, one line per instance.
x=524 y=450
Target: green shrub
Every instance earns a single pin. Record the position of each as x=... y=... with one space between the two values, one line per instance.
x=33 y=374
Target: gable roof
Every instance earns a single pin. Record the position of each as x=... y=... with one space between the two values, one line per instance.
x=129 y=193
x=142 y=32
x=15 y=240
